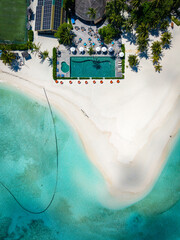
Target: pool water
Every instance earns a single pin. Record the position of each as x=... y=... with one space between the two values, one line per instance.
x=64 y=67
x=92 y=66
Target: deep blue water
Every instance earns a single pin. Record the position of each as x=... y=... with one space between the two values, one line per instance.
x=28 y=169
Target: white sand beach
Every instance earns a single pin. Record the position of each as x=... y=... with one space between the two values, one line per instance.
x=130 y=126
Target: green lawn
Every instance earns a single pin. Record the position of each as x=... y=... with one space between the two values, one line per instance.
x=13 y=20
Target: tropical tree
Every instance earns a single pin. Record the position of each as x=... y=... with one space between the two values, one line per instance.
x=164 y=25
x=45 y=54
x=136 y=3
x=158 y=68
x=114 y=13
x=142 y=30
x=166 y=38
x=91 y=51
x=155 y=59
x=68 y=4
x=133 y=61
x=108 y=33
x=65 y=34
x=156 y=48
x=36 y=48
x=7 y=57
x=91 y=13
x=142 y=42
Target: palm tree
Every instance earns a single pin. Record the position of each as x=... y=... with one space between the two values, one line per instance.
x=158 y=68
x=91 y=51
x=36 y=48
x=156 y=48
x=133 y=61
x=142 y=29
x=166 y=38
x=64 y=34
x=142 y=43
x=91 y=13
x=66 y=38
x=155 y=59
x=7 y=57
x=136 y=3
x=45 y=54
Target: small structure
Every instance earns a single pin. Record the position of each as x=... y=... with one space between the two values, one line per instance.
x=0 y=53
x=26 y=55
x=82 y=7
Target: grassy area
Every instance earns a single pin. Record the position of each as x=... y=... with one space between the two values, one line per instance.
x=13 y=21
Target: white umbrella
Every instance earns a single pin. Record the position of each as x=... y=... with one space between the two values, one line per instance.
x=98 y=49
x=81 y=49
x=104 y=49
x=111 y=49
x=121 y=54
x=72 y=49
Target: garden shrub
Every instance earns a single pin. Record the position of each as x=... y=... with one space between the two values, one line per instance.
x=54 y=63
x=31 y=35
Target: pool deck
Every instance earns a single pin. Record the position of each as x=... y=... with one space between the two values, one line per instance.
x=85 y=35
x=66 y=54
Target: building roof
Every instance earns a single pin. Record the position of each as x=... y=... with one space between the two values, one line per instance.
x=82 y=7
x=48 y=15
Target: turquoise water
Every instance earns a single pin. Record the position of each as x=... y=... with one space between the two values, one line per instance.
x=92 y=66
x=28 y=168
x=64 y=67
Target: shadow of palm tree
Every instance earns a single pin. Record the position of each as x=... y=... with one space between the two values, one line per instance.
x=135 y=68
x=15 y=66
x=144 y=55
x=50 y=61
x=131 y=37
x=167 y=46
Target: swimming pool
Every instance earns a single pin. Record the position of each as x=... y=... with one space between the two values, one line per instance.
x=64 y=67
x=92 y=66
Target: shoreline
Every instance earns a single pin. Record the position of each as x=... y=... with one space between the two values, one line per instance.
x=127 y=134
x=119 y=198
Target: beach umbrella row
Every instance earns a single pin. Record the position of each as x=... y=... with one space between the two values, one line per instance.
x=98 y=49
x=86 y=82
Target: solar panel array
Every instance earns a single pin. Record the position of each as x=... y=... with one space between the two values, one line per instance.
x=47 y=4
x=38 y=18
x=57 y=14
x=40 y=2
x=47 y=16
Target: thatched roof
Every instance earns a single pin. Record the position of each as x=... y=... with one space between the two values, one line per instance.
x=82 y=7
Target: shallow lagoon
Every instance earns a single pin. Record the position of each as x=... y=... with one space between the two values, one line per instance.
x=28 y=169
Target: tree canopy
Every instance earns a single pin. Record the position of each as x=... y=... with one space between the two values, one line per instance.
x=108 y=33
x=133 y=61
x=65 y=34
x=92 y=13
x=7 y=57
